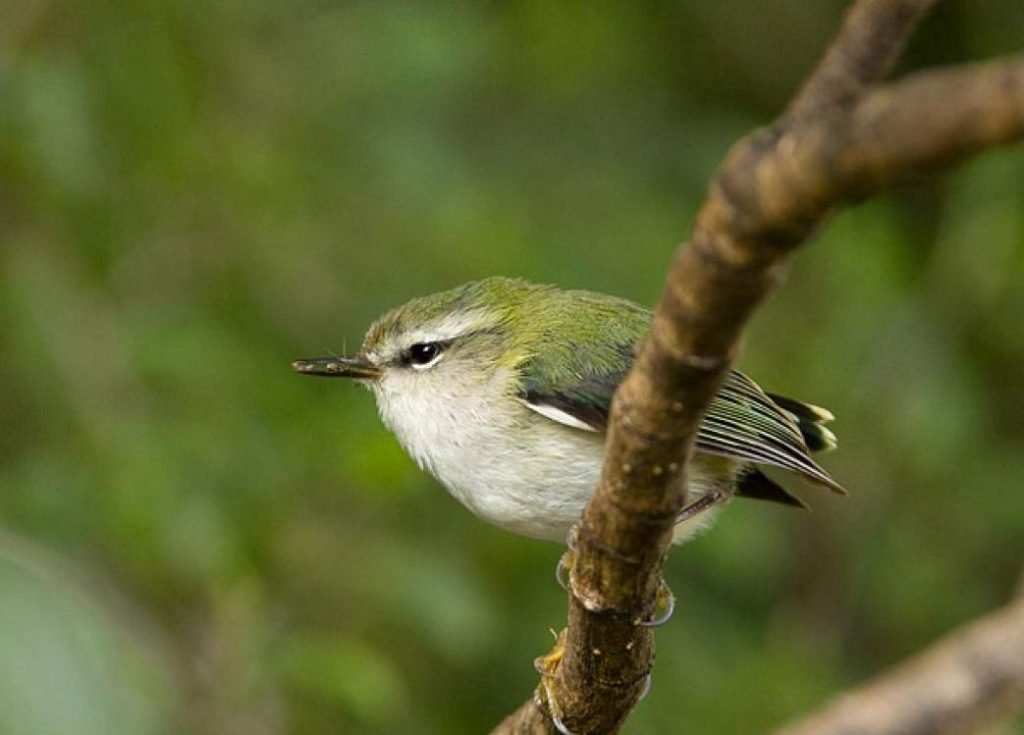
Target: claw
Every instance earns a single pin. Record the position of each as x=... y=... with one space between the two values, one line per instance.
x=646 y=690
x=563 y=571
x=547 y=666
x=559 y=725
x=570 y=538
x=664 y=606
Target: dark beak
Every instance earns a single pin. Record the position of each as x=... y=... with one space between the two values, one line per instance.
x=338 y=367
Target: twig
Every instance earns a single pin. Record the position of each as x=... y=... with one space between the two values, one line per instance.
x=870 y=42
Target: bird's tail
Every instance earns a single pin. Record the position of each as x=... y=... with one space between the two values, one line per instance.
x=811 y=420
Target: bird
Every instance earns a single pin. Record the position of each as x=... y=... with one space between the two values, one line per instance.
x=501 y=389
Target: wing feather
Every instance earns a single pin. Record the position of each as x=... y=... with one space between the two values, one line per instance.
x=569 y=371
x=743 y=422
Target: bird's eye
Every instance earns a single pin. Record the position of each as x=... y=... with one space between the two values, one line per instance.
x=424 y=354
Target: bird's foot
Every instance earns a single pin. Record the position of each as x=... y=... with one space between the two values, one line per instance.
x=547 y=667
x=564 y=569
x=664 y=606
x=647 y=688
x=664 y=602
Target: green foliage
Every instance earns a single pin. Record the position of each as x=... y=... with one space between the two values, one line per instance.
x=192 y=194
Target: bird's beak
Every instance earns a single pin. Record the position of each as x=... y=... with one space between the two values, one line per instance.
x=356 y=367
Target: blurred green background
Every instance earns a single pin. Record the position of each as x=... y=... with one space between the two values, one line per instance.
x=193 y=539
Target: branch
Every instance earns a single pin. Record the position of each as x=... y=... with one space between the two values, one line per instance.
x=970 y=679
x=870 y=42
x=841 y=139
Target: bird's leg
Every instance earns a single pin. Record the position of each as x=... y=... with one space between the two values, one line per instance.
x=665 y=601
x=705 y=502
x=547 y=665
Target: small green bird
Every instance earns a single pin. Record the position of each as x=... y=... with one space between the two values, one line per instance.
x=501 y=389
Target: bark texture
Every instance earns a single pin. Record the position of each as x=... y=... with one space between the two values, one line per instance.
x=843 y=136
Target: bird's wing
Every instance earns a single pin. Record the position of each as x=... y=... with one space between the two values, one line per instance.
x=743 y=422
x=575 y=388
x=582 y=405
x=570 y=367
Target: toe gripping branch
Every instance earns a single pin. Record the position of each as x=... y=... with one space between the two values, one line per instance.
x=547 y=665
x=664 y=601
x=544 y=696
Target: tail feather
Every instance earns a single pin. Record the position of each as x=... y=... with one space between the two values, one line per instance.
x=756 y=484
x=810 y=419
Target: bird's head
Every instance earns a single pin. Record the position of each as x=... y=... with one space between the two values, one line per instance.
x=442 y=343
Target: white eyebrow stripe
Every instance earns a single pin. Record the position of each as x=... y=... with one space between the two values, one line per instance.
x=447 y=328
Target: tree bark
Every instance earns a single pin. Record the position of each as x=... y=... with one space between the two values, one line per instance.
x=843 y=136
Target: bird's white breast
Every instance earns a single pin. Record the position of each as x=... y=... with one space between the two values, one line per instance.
x=509 y=465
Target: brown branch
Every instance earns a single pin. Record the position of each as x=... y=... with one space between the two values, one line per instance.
x=869 y=43
x=770 y=193
x=778 y=183
x=969 y=680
